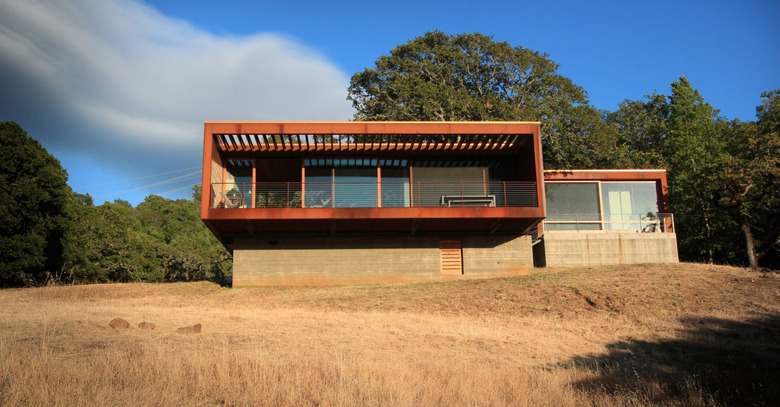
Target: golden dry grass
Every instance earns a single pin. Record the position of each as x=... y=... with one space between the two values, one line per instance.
x=630 y=335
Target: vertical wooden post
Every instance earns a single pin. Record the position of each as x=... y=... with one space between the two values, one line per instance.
x=378 y=185
x=602 y=215
x=333 y=184
x=254 y=181
x=224 y=177
x=208 y=197
x=411 y=187
x=303 y=183
x=484 y=181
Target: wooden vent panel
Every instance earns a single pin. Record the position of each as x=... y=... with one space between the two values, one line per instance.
x=451 y=257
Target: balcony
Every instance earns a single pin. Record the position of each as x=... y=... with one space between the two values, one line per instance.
x=373 y=195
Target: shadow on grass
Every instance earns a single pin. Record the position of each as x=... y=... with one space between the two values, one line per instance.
x=223 y=281
x=713 y=361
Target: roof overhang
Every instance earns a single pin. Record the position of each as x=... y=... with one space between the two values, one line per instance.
x=606 y=175
x=374 y=138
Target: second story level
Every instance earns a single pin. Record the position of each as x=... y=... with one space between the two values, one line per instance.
x=476 y=172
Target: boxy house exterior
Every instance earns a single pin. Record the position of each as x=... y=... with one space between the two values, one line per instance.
x=364 y=202
x=600 y=217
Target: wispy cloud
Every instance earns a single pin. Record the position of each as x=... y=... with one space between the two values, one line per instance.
x=128 y=87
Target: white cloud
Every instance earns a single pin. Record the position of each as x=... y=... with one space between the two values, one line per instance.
x=121 y=83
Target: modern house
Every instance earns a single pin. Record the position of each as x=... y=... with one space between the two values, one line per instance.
x=360 y=202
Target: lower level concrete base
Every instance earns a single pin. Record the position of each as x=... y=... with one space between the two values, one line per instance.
x=592 y=249
x=294 y=259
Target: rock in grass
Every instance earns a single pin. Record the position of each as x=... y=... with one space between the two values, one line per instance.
x=146 y=325
x=119 y=323
x=195 y=329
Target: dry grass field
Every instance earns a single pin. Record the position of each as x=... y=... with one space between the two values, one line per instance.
x=683 y=334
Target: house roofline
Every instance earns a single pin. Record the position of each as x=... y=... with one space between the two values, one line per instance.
x=368 y=127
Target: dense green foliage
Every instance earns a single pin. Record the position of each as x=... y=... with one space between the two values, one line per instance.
x=472 y=77
x=34 y=197
x=49 y=234
x=724 y=176
x=158 y=240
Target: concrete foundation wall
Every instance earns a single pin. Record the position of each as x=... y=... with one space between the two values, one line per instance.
x=593 y=249
x=296 y=259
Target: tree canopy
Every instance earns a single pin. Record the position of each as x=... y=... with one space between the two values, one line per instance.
x=724 y=176
x=158 y=240
x=33 y=202
x=49 y=234
x=439 y=77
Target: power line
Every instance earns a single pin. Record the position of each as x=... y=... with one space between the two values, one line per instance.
x=177 y=189
x=168 y=181
x=135 y=179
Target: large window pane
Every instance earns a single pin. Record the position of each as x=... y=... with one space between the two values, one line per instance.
x=238 y=187
x=572 y=201
x=355 y=188
x=341 y=187
x=629 y=205
x=395 y=187
x=318 y=187
x=244 y=186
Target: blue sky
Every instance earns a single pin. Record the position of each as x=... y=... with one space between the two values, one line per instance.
x=118 y=90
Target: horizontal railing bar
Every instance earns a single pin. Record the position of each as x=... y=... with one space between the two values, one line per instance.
x=661 y=222
x=367 y=194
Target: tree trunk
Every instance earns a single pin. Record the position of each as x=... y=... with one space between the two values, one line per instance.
x=710 y=257
x=751 y=245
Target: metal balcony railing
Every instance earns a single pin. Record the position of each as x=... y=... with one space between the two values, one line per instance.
x=650 y=222
x=373 y=194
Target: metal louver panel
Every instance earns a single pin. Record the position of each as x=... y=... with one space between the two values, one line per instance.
x=450 y=257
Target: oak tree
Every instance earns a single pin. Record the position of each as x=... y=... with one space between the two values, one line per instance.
x=33 y=202
x=439 y=77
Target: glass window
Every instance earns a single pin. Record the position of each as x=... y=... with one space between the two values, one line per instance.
x=341 y=187
x=244 y=186
x=238 y=187
x=355 y=188
x=395 y=187
x=629 y=205
x=572 y=201
x=318 y=187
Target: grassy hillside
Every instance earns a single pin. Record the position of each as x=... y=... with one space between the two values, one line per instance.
x=681 y=334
